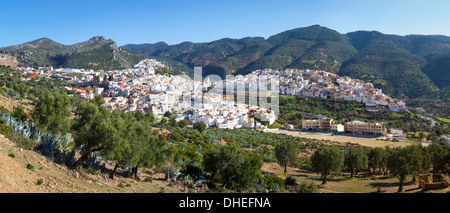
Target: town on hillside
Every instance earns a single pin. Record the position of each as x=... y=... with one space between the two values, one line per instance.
x=140 y=88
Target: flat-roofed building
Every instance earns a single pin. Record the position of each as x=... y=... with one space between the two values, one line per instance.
x=364 y=128
x=337 y=128
x=323 y=123
x=311 y=124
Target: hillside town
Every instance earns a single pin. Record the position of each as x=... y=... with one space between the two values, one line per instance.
x=326 y=85
x=141 y=89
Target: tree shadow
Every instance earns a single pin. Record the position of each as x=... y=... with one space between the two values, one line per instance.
x=395 y=184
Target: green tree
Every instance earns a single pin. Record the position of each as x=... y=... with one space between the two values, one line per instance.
x=438 y=155
x=286 y=153
x=21 y=88
x=94 y=130
x=446 y=163
x=327 y=159
x=199 y=126
x=149 y=117
x=183 y=123
x=377 y=158
x=238 y=169
x=119 y=149
x=19 y=113
x=173 y=122
x=421 y=136
x=52 y=112
x=147 y=147
x=163 y=121
x=355 y=160
x=98 y=100
x=432 y=137
x=167 y=114
x=211 y=161
x=135 y=144
x=403 y=162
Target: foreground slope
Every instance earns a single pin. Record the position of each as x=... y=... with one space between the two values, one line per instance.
x=49 y=177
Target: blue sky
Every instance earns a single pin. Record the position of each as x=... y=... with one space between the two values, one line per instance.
x=175 y=21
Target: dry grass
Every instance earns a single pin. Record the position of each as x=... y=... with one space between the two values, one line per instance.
x=369 y=142
x=9 y=104
x=361 y=183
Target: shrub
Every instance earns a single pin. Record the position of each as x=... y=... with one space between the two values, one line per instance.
x=12 y=155
x=148 y=180
x=274 y=183
x=290 y=181
x=39 y=182
x=5 y=129
x=177 y=136
x=22 y=141
x=307 y=188
x=30 y=167
x=305 y=163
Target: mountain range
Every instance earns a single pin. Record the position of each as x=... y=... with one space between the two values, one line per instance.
x=412 y=66
x=96 y=53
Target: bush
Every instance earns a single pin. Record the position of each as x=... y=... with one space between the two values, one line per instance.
x=5 y=129
x=12 y=155
x=19 y=113
x=30 y=167
x=148 y=180
x=22 y=142
x=274 y=183
x=176 y=136
x=307 y=188
x=39 y=182
x=290 y=181
x=305 y=163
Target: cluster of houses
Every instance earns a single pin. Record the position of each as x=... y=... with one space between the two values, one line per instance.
x=326 y=85
x=141 y=89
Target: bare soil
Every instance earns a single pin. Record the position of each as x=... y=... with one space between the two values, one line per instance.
x=7 y=60
x=49 y=177
x=369 y=142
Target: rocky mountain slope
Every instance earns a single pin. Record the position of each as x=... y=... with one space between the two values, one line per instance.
x=95 y=53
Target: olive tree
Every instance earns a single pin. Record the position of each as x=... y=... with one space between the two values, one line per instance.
x=327 y=159
x=286 y=153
